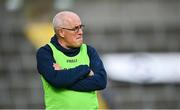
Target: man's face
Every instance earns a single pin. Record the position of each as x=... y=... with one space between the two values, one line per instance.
x=73 y=33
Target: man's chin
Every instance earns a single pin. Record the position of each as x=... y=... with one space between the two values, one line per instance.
x=75 y=46
x=78 y=45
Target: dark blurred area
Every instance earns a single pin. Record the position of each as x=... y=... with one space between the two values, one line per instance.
x=111 y=26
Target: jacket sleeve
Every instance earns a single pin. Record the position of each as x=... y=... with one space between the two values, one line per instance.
x=96 y=82
x=58 y=78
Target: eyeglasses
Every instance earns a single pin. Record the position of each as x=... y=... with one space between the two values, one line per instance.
x=75 y=29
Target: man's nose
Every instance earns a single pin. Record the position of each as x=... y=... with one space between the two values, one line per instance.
x=80 y=31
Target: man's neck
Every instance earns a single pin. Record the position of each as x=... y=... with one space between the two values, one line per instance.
x=63 y=44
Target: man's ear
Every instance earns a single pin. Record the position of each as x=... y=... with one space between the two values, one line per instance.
x=61 y=32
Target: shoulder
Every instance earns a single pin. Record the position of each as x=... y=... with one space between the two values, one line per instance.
x=91 y=51
x=44 y=50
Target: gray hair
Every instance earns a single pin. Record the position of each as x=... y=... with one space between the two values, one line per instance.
x=60 y=19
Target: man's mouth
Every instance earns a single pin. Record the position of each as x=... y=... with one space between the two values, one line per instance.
x=79 y=38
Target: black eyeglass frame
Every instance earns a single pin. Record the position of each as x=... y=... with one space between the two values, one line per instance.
x=75 y=29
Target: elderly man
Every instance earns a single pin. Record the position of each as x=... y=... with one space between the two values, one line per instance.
x=71 y=71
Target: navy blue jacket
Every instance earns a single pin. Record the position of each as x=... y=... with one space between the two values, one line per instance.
x=66 y=78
